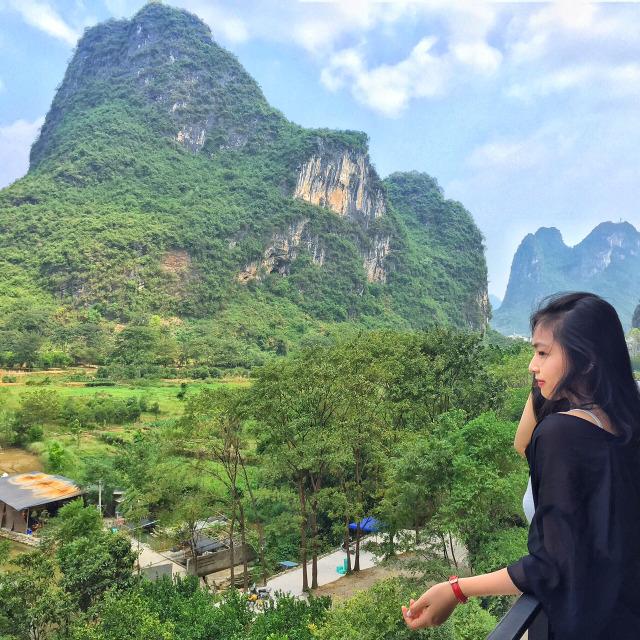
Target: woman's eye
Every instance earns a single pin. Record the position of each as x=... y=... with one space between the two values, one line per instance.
x=542 y=353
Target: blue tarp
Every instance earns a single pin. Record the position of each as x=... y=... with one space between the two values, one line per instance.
x=367 y=525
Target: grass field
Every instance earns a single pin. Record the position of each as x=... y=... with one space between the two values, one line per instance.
x=164 y=392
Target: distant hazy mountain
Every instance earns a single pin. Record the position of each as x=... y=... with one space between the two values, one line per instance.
x=495 y=302
x=606 y=262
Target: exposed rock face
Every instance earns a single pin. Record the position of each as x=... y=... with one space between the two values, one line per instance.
x=606 y=262
x=484 y=304
x=343 y=181
x=374 y=259
x=282 y=250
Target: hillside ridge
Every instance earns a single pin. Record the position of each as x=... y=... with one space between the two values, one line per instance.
x=606 y=262
x=163 y=184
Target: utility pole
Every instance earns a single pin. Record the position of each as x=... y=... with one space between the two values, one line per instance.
x=100 y=496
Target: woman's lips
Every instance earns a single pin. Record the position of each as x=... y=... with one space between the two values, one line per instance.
x=540 y=382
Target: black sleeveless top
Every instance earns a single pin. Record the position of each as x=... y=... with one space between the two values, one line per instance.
x=584 y=540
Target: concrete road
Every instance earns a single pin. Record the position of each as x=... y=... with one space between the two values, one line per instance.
x=291 y=581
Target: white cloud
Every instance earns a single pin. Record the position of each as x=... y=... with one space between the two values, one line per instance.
x=15 y=143
x=454 y=45
x=614 y=81
x=1 y=85
x=386 y=88
x=571 y=47
x=227 y=24
x=42 y=16
x=479 y=55
x=549 y=144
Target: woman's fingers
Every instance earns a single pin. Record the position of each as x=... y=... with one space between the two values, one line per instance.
x=419 y=621
x=416 y=606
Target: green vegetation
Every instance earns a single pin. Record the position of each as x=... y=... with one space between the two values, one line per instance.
x=123 y=247
x=285 y=405
x=413 y=428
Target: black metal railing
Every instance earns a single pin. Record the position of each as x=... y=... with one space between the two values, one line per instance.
x=525 y=615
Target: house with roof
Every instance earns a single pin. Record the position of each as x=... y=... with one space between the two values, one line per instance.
x=24 y=496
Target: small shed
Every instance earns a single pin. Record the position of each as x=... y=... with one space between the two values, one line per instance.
x=25 y=493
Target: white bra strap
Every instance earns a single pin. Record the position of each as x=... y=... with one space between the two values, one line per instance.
x=593 y=415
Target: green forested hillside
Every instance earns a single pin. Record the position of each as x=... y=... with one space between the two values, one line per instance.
x=161 y=195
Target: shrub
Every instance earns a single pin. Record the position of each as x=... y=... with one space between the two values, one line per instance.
x=9 y=379
x=472 y=622
x=100 y=383
x=35 y=433
x=38 y=382
x=374 y=614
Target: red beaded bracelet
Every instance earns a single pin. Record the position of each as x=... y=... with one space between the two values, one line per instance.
x=457 y=591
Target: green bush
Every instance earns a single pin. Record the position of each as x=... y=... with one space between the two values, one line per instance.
x=472 y=622
x=375 y=614
x=35 y=433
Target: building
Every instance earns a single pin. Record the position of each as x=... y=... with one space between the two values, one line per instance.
x=24 y=496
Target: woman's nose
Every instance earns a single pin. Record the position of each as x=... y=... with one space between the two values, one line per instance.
x=533 y=367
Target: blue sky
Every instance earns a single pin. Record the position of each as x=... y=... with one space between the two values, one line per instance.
x=526 y=113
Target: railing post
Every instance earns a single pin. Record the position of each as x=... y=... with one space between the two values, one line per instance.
x=539 y=629
x=525 y=614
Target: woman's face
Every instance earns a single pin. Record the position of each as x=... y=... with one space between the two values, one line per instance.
x=548 y=362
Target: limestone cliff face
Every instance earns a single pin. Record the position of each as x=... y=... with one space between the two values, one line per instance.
x=282 y=250
x=374 y=259
x=484 y=305
x=343 y=181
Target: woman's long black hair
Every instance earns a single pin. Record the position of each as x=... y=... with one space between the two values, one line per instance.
x=599 y=368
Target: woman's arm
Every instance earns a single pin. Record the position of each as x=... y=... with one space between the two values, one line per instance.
x=525 y=427
x=437 y=603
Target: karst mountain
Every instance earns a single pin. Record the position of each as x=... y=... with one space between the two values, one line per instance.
x=606 y=262
x=163 y=185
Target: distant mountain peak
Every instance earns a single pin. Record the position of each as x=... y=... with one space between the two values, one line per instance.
x=174 y=78
x=606 y=261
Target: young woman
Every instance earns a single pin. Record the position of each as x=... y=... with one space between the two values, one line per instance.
x=535 y=410
x=584 y=539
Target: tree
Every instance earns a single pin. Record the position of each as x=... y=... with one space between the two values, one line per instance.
x=73 y=521
x=419 y=482
x=136 y=344
x=33 y=605
x=56 y=457
x=36 y=408
x=295 y=403
x=373 y=614
x=211 y=429
x=93 y=564
x=364 y=367
x=441 y=370
x=123 y=616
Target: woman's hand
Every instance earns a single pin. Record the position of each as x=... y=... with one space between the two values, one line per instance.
x=432 y=608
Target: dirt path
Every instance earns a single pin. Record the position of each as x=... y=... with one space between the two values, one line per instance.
x=14 y=460
x=348 y=585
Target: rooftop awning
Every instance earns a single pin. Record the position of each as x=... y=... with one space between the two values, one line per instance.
x=367 y=525
x=34 y=489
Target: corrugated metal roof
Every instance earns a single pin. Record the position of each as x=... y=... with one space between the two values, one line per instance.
x=36 y=488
